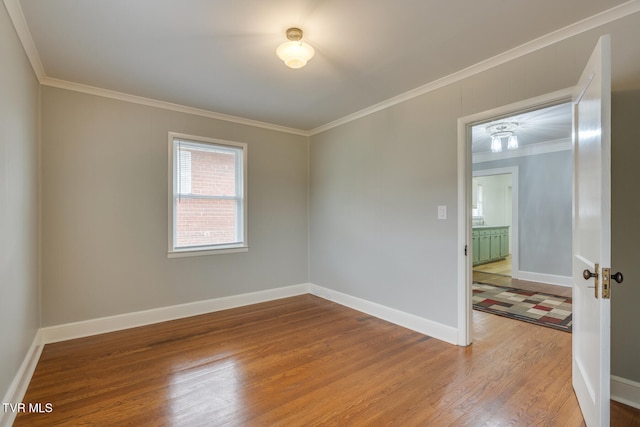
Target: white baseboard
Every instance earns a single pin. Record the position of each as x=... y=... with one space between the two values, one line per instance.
x=21 y=381
x=622 y=390
x=424 y=326
x=545 y=278
x=625 y=391
x=140 y=318
x=102 y=325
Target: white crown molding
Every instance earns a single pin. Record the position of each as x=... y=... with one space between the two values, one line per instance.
x=17 y=17
x=564 y=144
x=92 y=90
x=579 y=27
x=20 y=24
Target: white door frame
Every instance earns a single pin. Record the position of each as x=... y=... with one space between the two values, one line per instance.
x=464 y=196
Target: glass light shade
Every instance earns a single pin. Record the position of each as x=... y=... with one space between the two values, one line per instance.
x=496 y=144
x=295 y=54
x=512 y=143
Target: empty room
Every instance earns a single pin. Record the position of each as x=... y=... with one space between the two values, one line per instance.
x=266 y=213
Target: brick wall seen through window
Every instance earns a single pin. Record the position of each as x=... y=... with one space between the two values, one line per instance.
x=208 y=195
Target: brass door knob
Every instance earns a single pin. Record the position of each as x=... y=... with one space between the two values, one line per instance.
x=588 y=275
x=617 y=277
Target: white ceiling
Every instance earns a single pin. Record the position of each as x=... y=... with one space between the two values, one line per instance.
x=219 y=55
x=543 y=126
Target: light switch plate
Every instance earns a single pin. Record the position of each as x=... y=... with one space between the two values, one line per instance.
x=442 y=212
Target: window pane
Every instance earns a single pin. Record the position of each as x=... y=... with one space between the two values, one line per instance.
x=184 y=171
x=208 y=195
x=202 y=222
x=212 y=170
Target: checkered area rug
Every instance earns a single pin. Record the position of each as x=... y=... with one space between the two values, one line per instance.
x=542 y=309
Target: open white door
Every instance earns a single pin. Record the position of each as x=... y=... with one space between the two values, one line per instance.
x=592 y=237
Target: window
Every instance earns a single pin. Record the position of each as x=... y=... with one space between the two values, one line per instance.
x=207 y=189
x=478 y=207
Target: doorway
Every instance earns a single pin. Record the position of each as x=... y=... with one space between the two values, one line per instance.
x=510 y=156
x=494 y=209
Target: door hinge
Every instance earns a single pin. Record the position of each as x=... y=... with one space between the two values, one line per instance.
x=465 y=250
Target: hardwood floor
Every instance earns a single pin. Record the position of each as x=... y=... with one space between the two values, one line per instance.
x=306 y=361
x=502 y=267
x=624 y=416
x=499 y=273
x=507 y=281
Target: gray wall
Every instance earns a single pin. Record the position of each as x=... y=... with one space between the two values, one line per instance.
x=19 y=306
x=625 y=234
x=104 y=210
x=544 y=209
x=375 y=185
x=376 y=182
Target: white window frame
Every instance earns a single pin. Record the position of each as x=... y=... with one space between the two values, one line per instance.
x=478 y=211
x=174 y=193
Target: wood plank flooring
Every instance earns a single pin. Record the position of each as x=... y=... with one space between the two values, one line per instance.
x=306 y=361
x=499 y=280
x=502 y=267
x=499 y=273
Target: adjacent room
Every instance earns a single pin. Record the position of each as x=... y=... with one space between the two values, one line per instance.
x=522 y=213
x=265 y=213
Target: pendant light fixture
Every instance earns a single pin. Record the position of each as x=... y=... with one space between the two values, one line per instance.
x=503 y=130
x=295 y=53
x=496 y=144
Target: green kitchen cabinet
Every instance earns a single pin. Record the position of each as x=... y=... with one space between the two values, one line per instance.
x=484 y=252
x=489 y=244
x=504 y=242
x=495 y=244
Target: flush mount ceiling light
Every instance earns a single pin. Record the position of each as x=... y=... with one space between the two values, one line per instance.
x=295 y=53
x=503 y=130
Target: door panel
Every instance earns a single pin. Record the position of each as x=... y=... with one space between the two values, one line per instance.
x=592 y=236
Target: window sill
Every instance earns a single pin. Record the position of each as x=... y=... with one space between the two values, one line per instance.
x=203 y=252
